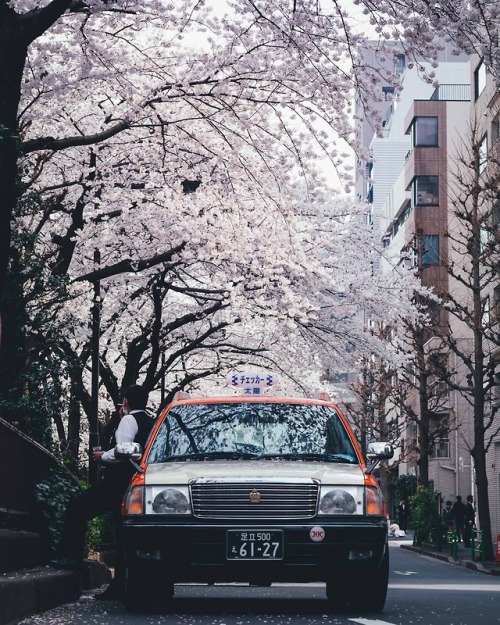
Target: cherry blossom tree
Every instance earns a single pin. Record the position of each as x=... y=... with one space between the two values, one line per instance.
x=155 y=82
x=199 y=153
x=423 y=26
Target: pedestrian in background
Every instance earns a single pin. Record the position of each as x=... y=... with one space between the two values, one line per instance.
x=403 y=515
x=469 y=519
x=457 y=513
x=447 y=519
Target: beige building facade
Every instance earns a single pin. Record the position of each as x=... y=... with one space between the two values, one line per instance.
x=413 y=199
x=485 y=110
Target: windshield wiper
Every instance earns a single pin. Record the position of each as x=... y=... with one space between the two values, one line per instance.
x=309 y=456
x=214 y=455
x=241 y=455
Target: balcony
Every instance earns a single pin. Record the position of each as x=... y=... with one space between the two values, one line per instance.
x=452 y=93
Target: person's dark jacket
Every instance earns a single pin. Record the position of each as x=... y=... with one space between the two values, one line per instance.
x=469 y=514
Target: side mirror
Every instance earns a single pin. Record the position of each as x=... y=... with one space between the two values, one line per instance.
x=133 y=451
x=379 y=451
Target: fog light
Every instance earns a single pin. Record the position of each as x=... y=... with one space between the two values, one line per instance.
x=146 y=554
x=355 y=554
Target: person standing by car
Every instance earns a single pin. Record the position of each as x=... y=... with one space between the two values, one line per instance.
x=106 y=495
x=469 y=519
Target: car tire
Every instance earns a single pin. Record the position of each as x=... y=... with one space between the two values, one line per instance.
x=338 y=590
x=144 y=593
x=375 y=586
x=343 y=590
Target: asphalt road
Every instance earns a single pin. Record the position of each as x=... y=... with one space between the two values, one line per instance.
x=422 y=591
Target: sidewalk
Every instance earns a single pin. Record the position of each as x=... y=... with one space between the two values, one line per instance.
x=464 y=556
x=33 y=590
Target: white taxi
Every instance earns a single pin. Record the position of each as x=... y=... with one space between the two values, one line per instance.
x=255 y=489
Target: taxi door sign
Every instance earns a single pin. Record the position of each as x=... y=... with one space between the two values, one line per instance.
x=252 y=383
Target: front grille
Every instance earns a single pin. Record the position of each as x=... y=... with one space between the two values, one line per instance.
x=268 y=499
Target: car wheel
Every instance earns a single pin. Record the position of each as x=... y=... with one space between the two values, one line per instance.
x=375 y=584
x=144 y=592
x=365 y=590
x=337 y=591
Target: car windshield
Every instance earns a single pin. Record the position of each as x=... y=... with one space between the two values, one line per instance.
x=260 y=431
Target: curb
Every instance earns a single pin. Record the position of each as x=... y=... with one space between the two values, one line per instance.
x=480 y=567
x=30 y=591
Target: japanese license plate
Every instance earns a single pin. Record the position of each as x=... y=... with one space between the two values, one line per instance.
x=254 y=544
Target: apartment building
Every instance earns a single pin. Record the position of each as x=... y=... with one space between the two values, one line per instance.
x=408 y=185
x=485 y=112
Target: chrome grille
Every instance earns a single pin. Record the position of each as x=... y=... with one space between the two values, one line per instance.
x=233 y=499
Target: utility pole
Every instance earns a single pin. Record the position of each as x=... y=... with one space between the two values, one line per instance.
x=96 y=330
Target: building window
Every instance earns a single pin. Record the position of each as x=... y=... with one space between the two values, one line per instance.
x=430 y=250
x=495 y=306
x=425 y=132
x=479 y=80
x=441 y=448
x=486 y=312
x=399 y=64
x=495 y=129
x=495 y=215
x=483 y=154
x=426 y=191
x=388 y=93
x=433 y=310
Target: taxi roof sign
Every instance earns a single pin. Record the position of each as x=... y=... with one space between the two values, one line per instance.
x=252 y=382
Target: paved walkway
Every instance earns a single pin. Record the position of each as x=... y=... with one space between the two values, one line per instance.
x=464 y=555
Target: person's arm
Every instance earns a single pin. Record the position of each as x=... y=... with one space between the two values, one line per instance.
x=125 y=433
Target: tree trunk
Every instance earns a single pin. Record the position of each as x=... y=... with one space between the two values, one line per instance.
x=479 y=377
x=12 y=59
x=423 y=410
x=73 y=440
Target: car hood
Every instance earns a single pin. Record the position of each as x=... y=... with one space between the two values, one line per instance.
x=180 y=473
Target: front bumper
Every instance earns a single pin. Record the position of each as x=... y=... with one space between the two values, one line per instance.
x=196 y=551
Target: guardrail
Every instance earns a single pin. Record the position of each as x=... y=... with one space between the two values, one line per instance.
x=477 y=545
x=452 y=540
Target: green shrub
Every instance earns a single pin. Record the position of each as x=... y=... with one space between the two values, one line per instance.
x=404 y=487
x=426 y=521
x=51 y=499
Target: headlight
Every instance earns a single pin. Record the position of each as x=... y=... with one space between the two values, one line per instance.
x=345 y=500
x=167 y=500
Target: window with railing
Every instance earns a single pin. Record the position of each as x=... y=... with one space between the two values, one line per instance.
x=388 y=93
